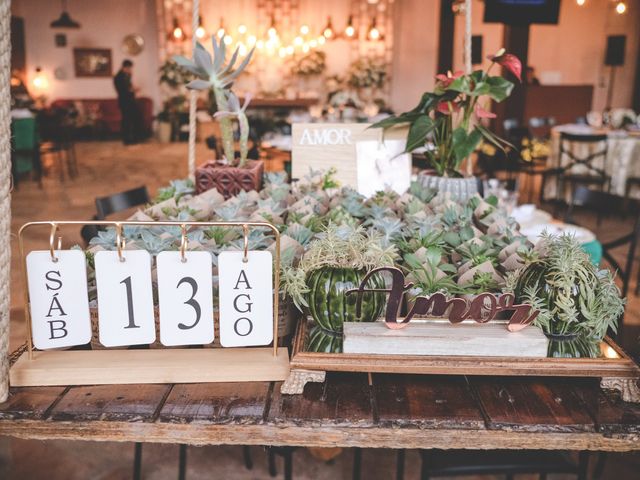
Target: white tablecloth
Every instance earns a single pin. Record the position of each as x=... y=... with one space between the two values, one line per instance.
x=622 y=161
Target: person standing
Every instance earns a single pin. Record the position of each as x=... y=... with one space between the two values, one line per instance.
x=130 y=123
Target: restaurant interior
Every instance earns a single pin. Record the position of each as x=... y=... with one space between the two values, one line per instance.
x=115 y=110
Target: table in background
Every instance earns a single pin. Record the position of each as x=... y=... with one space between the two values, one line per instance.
x=622 y=161
x=348 y=410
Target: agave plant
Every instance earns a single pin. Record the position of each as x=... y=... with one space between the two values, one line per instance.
x=217 y=75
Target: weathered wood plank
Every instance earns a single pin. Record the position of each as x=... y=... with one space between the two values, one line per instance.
x=216 y=403
x=343 y=399
x=29 y=402
x=443 y=338
x=131 y=403
x=532 y=405
x=425 y=401
x=314 y=435
x=612 y=415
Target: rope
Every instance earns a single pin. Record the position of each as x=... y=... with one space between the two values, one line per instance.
x=467 y=59
x=467 y=36
x=5 y=194
x=193 y=95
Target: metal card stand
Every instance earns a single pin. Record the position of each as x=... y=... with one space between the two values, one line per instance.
x=119 y=366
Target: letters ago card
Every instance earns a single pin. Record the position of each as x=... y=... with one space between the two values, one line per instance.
x=185 y=293
x=59 y=300
x=246 y=298
x=125 y=298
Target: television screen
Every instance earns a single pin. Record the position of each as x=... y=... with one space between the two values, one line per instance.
x=521 y=12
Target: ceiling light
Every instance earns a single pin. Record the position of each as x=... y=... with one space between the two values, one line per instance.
x=65 y=20
x=350 y=30
x=328 y=30
x=200 y=31
x=621 y=8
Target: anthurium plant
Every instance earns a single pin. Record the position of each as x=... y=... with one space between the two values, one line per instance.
x=218 y=74
x=447 y=121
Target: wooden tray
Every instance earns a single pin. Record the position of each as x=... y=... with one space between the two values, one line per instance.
x=620 y=372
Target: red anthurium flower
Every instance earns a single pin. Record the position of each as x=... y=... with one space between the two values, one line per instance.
x=447 y=108
x=482 y=113
x=448 y=79
x=509 y=62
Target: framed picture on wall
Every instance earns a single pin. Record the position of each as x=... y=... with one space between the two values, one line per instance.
x=92 y=62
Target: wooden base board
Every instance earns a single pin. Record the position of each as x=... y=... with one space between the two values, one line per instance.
x=444 y=338
x=86 y=367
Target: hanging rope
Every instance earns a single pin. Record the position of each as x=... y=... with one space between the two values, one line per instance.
x=467 y=59
x=5 y=193
x=467 y=36
x=193 y=95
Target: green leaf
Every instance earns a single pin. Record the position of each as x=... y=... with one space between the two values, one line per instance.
x=418 y=132
x=499 y=88
x=427 y=102
x=464 y=144
x=460 y=84
x=395 y=120
x=481 y=88
x=433 y=255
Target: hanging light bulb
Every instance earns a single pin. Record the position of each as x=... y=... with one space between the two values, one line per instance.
x=40 y=81
x=621 y=7
x=272 y=32
x=304 y=29
x=177 y=32
x=298 y=41
x=313 y=43
x=321 y=40
x=350 y=30
x=242 y=29
x=228 y=40
x=200 y=31
x=251 y=40
x=290 y=50
x=221 y=31
x=580 y=2
x=374 y=33
x=328 y=30
x=305 y=48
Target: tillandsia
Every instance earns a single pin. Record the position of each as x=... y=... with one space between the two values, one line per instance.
x=573 y=296
x=213 y=73
x=448 y=121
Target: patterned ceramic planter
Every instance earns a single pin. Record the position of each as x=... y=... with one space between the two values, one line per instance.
x=460 y=189
x=229 y=180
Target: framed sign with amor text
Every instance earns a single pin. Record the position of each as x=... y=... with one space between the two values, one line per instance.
x=362 y=158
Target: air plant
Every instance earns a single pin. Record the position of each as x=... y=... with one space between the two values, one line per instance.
x=213 y=73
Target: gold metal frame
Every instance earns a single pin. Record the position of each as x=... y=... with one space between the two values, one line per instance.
x=54 y=225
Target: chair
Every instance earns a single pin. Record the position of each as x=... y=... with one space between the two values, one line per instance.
x=57 y=129
x=111 y=204
x=449 y=463
x=607 y=204
x=25 y=149
x=592 y=174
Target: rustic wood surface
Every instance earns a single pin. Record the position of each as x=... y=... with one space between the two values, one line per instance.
x=348 y=409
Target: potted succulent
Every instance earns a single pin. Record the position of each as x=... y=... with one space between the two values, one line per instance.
x=574 y=297
x=447 y=122
x=228 y=175
x=335 y=262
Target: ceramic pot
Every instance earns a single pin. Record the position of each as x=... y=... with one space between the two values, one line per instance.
x=459 y=189
x=229 y=180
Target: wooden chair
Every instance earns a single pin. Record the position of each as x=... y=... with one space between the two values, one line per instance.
x=111 y=204
x=607 y=204
x=594 y=175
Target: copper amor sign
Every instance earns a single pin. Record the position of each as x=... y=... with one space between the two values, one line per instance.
x=482 y=308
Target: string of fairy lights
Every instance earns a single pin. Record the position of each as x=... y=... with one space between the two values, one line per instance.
x=283 y=42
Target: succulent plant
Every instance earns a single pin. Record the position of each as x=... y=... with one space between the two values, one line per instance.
x=213 y=73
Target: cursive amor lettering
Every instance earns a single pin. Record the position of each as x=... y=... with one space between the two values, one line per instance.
x=482 y=308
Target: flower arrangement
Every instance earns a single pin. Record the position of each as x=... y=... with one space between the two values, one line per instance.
x=450 y=116
x=173 y=76
x=213 y=73
x=367 y=72
x=313 y=63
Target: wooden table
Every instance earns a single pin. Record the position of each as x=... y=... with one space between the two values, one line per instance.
x=348 y=410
